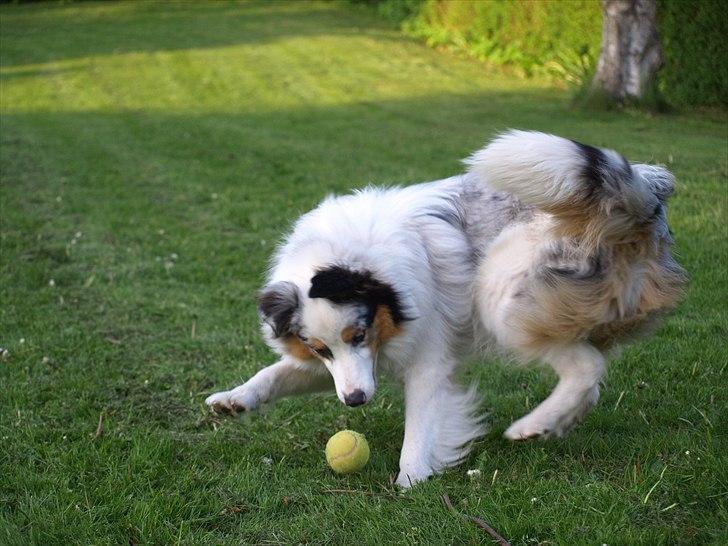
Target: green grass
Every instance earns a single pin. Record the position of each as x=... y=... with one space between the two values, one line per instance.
x=152 y=155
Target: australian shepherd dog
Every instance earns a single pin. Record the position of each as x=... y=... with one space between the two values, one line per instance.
x=552 y=251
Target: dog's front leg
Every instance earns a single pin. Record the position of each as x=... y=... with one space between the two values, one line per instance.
x=416 y=462
x=441 y=421
x=284 y=378
x=429 y=394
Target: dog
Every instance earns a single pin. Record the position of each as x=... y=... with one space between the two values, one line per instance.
x=552 y=251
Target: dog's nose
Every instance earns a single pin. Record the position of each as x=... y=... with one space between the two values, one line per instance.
x=356 y=398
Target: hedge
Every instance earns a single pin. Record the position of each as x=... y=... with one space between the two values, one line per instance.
x=561 y=39
x=694 y=37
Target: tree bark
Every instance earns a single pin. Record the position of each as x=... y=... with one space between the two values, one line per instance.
x=631 y=54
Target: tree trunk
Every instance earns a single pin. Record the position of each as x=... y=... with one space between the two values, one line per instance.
x=631 y=54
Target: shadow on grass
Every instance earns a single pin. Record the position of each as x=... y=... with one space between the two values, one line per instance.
x=37 y=72
x=223 y=187
x=340 y=146
x=289 y=159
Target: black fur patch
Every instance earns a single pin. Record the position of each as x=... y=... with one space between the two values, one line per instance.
x=449 y=215
x=589 y=269
x=324 y=353
x=656 y=213
x=277 y=305
x=596 y=163
x=599 y=171
x=342 y=285
x=562 y=262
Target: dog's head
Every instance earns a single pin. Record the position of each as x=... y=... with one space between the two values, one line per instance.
x=342 y=321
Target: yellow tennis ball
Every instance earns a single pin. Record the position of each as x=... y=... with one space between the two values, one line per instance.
x=347 y=451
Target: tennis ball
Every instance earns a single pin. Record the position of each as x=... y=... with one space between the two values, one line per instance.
x=347 y=451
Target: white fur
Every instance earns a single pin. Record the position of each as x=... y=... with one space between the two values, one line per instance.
x=539 y=168
x=457 y=252
x=388 y=232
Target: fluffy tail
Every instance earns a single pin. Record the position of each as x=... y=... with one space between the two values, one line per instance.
x=594 y=193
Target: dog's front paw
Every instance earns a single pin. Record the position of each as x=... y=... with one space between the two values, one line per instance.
x=219 y=402
x=411 y=476
x=238 y=400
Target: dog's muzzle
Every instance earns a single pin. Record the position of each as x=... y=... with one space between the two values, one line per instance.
x=355 y=398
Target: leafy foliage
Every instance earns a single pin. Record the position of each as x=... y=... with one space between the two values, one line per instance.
x=545 y=38
x=695 y=46
x=561 y=39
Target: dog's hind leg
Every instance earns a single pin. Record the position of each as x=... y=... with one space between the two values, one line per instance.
x=284 y=378
x=580 y=367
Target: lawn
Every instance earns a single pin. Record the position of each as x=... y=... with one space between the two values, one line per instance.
x=152 y=155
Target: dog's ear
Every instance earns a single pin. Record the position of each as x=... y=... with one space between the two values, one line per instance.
x=342 y=285
x=277 y=304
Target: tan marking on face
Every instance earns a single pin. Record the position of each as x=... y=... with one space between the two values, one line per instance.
x=384 y=327
x=348 y=333
x=298 y=348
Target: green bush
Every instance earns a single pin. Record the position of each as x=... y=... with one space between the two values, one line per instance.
x=395 y=11
x=695 y=47
x=561 y=39
x=547 y=37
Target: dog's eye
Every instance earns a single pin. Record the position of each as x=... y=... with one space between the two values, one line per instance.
x=358 y=337
x=323 y=352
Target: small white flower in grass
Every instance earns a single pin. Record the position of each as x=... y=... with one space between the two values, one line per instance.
x=160 y=231
x=59 y=199
x=214 y=196
x=146 y=381
x=474 y=474
x=174 y=256
x=22 y=340
x=534 y=499
x=78 y=235
x=51 y=283
x=168 y=265
x=4 y=353
x=687 y=452
x=45 y=360
x=65 y=437
x=267 y=461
